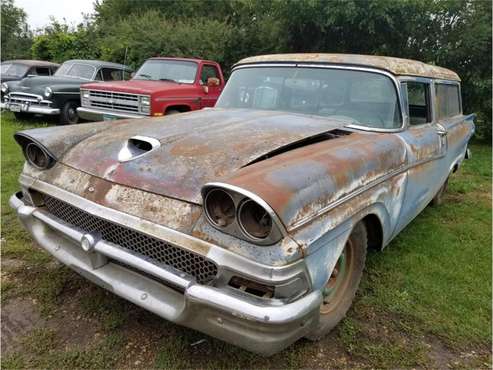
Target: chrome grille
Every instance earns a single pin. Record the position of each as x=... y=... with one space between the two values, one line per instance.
x=112 y=100
x=23 y=98
x=153 y=249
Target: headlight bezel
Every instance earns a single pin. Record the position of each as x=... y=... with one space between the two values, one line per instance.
x=31 y=150
x=145 y=104
x=4 y=88
x=241 y=197
x=48 y=92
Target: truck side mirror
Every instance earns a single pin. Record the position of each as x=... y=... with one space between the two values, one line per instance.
x=213 y=81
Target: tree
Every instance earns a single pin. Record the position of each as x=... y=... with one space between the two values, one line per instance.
x=15 y=34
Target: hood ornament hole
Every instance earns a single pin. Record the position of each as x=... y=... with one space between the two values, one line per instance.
x=136 y=147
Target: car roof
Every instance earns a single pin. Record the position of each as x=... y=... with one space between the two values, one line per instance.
x=29 y=62
x=185 y=59
x=396 y=66
x=99 y=63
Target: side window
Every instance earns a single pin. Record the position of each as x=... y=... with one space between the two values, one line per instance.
x=208 y=71
x=448 y=100
x=42 y=71
x=99 y=76
x=418 y=98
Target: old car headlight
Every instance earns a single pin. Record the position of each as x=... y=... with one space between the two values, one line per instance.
x=48 y=92
x=244 y=215
x=37 y=156
x=85 y=94
x=5 y=88
x=219 y=208
x=254 y=220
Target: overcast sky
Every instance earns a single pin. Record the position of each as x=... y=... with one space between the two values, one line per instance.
x=39 y=11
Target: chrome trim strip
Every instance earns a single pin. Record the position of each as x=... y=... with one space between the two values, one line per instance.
x=359 y=191
x=253 y=197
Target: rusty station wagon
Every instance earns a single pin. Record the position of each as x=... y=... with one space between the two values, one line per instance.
x=250 y=221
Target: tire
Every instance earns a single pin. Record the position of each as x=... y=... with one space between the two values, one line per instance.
x=68 y=115
x=22 y=116
x=341 y=290
x=172 y=111
x=438 y=198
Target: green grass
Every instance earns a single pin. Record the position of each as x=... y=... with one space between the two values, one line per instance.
x=424 y=302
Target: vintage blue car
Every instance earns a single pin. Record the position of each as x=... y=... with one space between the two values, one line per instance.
x=250 y=221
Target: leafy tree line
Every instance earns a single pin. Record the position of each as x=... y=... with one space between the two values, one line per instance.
x=450 y=33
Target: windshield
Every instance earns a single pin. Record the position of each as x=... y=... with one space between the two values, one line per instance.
x=14 y=69
x=78 y=70
x=365 y=98
x=167 y=70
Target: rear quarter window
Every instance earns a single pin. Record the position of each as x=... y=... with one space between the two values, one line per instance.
x=448 y=100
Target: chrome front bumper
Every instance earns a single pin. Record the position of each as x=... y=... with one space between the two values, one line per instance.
x=92 y=114
x=258 y=325
x=31 y=108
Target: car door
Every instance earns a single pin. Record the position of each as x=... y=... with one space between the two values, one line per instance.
x=449 y=115
x=210 y=92
x=426 y=145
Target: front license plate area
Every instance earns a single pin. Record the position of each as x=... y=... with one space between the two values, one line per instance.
x=107 y=117
x=15 y=107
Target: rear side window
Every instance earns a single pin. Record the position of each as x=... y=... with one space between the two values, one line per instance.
x=448 y=100
x=43 y=71
x=418 y=98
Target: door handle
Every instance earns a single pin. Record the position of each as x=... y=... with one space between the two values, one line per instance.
x=442 y=132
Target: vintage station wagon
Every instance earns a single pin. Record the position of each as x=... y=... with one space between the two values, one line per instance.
x=250 y=221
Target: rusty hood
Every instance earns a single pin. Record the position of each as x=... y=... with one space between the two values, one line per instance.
x=195 y=148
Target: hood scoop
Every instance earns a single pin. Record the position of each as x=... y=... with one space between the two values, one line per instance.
x=136 y=147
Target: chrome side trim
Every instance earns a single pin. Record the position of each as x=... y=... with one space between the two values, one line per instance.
x=359 y=191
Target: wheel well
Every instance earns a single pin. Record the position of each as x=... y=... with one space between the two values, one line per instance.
x=374 y=231
x=179 y=108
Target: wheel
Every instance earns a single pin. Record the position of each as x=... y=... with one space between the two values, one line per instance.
x=342 y=285
x=438 y=198
x=68 y=115
x=22 y=116
x=172 y=111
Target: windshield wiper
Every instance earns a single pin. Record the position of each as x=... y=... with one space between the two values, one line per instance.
x=144 y=75
x=168 y=79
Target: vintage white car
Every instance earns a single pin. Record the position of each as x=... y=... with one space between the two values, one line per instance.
x=250 y=221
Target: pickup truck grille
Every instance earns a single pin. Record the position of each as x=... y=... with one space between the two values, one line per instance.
x=112 y=100
x=150 y=248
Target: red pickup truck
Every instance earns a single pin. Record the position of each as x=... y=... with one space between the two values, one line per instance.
x=161 y=86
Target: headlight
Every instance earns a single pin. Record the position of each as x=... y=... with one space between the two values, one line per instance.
x=254 y=220
x=236 y=212
x=145 y=100
x=85 y=94
x=5 y=88
x=48 y=92
x=219 y=208
x=37 y=156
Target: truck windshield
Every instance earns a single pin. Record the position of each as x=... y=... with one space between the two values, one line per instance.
x=77 y=70
x=167 y=70
x=14 y=69
x=364 y=98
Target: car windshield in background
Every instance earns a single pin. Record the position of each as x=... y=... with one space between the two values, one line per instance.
x=167 y=70
x=365 y=98
x=14 y=69
x=76 y=70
